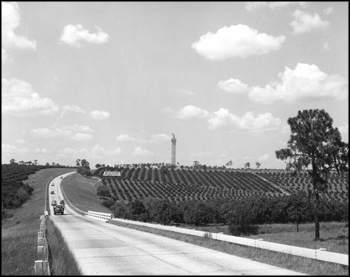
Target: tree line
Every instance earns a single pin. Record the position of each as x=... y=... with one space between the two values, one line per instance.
x=242 y=216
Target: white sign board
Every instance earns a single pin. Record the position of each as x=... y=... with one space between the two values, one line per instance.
x=111 y=173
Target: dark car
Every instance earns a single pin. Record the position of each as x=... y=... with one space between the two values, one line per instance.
x=52 y=192
x=53 y=203
x=58 y=209
x=62 y=202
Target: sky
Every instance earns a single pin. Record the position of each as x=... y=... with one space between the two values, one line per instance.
x=110 y=82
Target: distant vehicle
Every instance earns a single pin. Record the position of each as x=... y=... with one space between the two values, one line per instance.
x=61 y=177
x=62 y=202
x=53 y=184
x=58 y=209
x=53 y=203
x=52 y=192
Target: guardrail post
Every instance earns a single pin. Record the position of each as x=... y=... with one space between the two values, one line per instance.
x=41 y=267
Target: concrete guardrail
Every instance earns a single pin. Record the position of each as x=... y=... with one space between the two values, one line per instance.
x=318 y=254
x=105 y=216
x=41 y=265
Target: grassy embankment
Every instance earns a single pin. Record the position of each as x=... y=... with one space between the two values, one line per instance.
x=20 y=232
x=334 y=236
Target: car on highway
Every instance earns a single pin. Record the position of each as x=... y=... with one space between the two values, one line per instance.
x=53 y=203
x=58 y=209
x=53 y=184
x=62 y=202
x=52 y=192
x=61 y=177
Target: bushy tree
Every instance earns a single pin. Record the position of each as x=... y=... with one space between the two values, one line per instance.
x=199 y=213
x=241 y=220
x=138 y=211
x=316 y=146
x=103 y=191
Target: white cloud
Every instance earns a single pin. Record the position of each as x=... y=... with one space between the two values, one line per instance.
x=11 y=149
x=72 y=152
x=42 y=150
x=328 y=11
x=158 y=138
x=325 y=46
x=344 y=131
x=236 y=41
x=20 y=141
x=304 y=82
x=18 y=98
x=264 y=157
x=73 y=132
x=99 y=115
x=252 y=6
x=81 y=137
x=99 y=151
x=187 y=112
x=71 y=109
x=233 y=86
x=263 y=122
x=125 y=138
x=73 y=34
x=10 y=19
x=5 y=57
x=305 y=22
x=138 y=151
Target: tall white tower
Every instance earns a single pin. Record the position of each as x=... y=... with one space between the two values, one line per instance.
x=173 y=150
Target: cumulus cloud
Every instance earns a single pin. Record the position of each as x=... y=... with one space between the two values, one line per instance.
x=344 y=130
x=264 y=157
x=72 y=152
x=99 y=115
x=71 y=109
x=73 y=34
x=325 y=46
x=42 y=150
x=11 y=149
x=304 y=22
x=252 y=6
x=10 y=19
x=74 y=132
x=138 y=151
x=99 y=151
x=158 y=138
x=233 y=86
x=81 y=137
x=124 y=138
x=236 y=41
x=18 y=98
x=328 y=11
x=263 y=122
x=5 y=57
x=187 y=112
x=303 y=83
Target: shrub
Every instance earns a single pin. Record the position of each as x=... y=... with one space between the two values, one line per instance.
x=108 y=202
x=241 y=220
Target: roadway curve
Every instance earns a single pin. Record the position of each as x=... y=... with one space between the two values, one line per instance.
x=106 y=249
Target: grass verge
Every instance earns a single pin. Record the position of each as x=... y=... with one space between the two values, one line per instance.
x=19 y=233
x=83 y=193
x=299 y=264
x=62 y=259
x=334 y=235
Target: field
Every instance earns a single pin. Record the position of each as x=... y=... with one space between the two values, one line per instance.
x=179 y=184
x=20 y=232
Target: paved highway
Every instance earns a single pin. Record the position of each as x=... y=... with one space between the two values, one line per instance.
x=105 y=249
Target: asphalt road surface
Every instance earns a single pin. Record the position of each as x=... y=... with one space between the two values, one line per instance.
x=105 y=249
